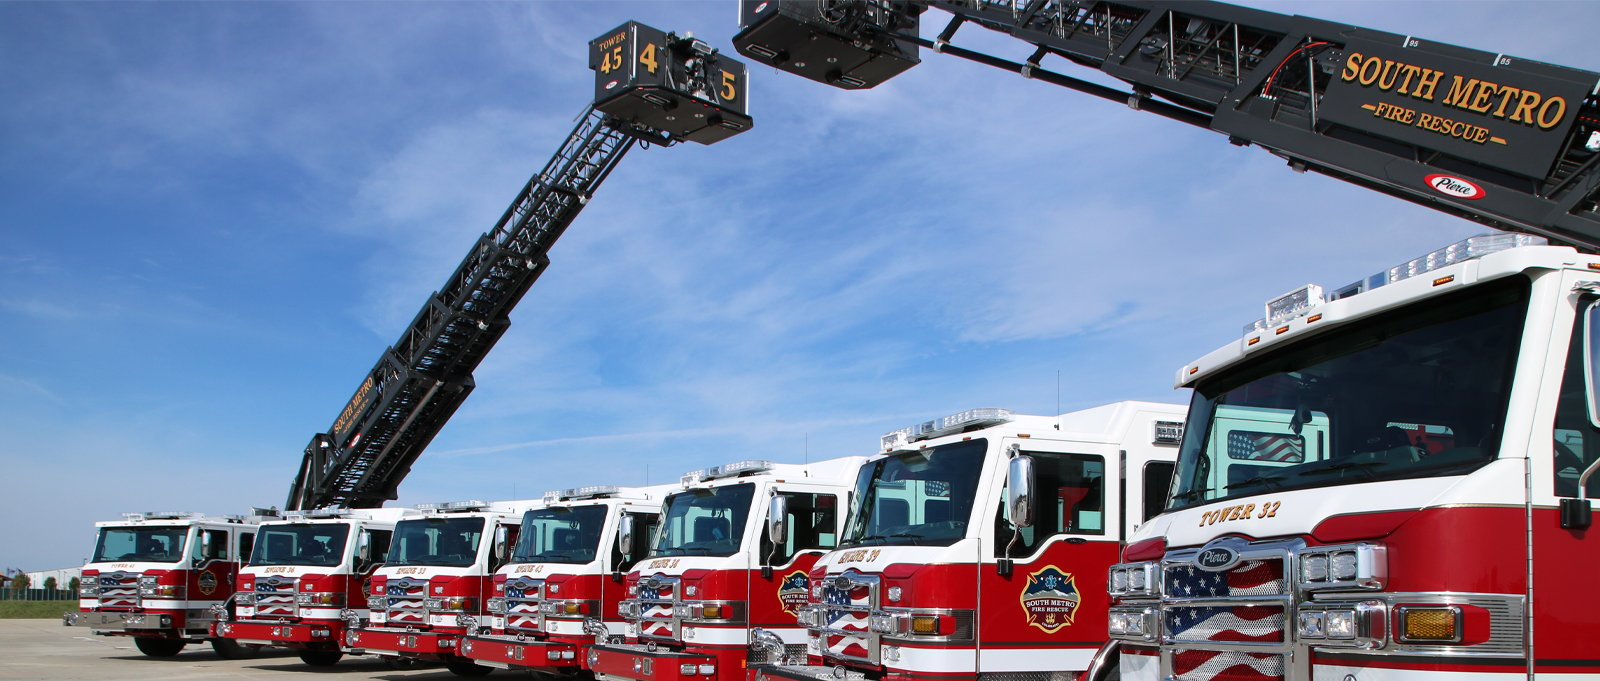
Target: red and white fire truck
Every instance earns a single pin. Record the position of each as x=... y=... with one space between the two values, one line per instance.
x=560 y=591
x=977 y=545
x=155 y=577
x=1389 y=481
x=435 y=582
x=306 y=576
x=713 y=577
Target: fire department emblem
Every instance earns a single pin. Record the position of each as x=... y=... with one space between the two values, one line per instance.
x=1050 y=599
x=792 y=593
x=208 y=583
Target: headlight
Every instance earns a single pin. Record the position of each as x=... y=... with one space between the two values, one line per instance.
x=375 y=603
x=325 y=599
x=497 y=606
x=88 y=590
x=451 y=603
x=1132 y=580
x=1362 y=566
x=1131 y=624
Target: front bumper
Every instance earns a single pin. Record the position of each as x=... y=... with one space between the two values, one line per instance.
x=506 y=652
x=640 y=663
x=283 y=634
x=120 y=622
x=393 y=642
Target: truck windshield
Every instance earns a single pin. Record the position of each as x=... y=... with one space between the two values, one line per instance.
x=144 y=544
x=1419 y=391
x=319 y=544
x=923 y=497
x=704 y=522
x=560 y=534
x=447 y=542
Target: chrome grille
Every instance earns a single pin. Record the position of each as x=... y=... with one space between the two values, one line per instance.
x=523 y=596
x=847 y=603
x=119 y=589
x=657 y=595
x=275 y=597
x=405 y=601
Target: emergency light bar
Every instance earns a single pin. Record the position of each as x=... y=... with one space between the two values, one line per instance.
x=320 y=513
x=726 y=470
x=1296 y=303
x=1167 y=433
x=162 y=515
x=588 y=492
x=469 y=505
x=954 y=423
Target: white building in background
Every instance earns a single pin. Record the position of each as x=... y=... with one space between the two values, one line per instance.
x=64 y=577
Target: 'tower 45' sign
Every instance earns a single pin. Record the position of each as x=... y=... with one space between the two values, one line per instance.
x=1509 y=114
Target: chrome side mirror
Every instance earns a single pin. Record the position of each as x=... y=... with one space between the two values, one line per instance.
x=778 y=519
x=625 y=536
x=1019 y=490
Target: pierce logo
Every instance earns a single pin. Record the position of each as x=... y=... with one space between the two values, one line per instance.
x=1216 y=559
x=1454 y=186
x=793 y=591
x=1050 y=599
x=611 y=84
x=760 y=8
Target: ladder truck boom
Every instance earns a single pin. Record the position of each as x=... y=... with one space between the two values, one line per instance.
x=1511 y=143
x=651 y=87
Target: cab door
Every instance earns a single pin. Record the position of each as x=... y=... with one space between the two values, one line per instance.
x=1042 y=601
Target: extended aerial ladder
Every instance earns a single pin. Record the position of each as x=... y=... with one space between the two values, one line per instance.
x=651 y=87
x=1507 y=142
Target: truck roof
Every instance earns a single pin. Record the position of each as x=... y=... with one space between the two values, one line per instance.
x=1306 y=312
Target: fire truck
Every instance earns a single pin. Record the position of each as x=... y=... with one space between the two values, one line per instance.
x=435 y=582
x=156 y=576
x=306 y=574
x=713 y=575
x=561 y=588
x=1385 y=480
x=977 y=544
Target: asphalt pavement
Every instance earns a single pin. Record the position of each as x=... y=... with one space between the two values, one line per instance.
x=43 y=650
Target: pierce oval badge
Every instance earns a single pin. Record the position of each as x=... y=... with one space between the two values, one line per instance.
x=1216 y=558
x=611 y=84
x=1451 y=185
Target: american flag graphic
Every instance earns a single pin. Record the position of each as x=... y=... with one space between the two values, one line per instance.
x=1251 y=446
x=655 y=607
x=522 y=604
x=119 y=589
x=1262 y=623
x=275 y=597
x=405 y=601
x=845 y=610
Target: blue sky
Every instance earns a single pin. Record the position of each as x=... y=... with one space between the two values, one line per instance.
x=217 y=215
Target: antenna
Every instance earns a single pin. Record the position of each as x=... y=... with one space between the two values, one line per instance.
x=1058 y=398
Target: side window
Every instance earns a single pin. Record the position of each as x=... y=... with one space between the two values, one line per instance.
x=1576 y=439
x=247 y=542
x=1071 y=500
x=644 y=528
x=813 y=523
x=213 y=545
x=1157 y=483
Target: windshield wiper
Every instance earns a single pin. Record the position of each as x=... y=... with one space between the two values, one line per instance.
x=896 y=535
x=1275 y=480
x=1191 y=494
x=1363 y=466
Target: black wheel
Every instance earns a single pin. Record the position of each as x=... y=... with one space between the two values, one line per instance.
x=321 y=658
x=158 y=647
x=229 y=649
x=461 y=667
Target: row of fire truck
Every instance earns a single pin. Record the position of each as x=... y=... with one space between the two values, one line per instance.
x=976 y=541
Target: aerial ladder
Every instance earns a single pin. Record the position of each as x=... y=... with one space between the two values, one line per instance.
x=651 y=88
x=1507 y=142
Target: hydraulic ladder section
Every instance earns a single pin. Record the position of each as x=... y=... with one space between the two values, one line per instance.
x=420 y=381
x=1510 y=143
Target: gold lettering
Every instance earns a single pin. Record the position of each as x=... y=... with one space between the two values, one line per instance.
x=1460 y=95
x=1410 y=71
x=1510 y=93
x=1524 y=110
x=1370 y=76
x=1427 y=84
x=1483 y=100
x=1352 y=66
x=1546 y=119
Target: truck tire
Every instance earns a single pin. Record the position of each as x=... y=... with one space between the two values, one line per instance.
x=158 y=647
x=321 y=658
x=468 y=668
x=229 y=649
